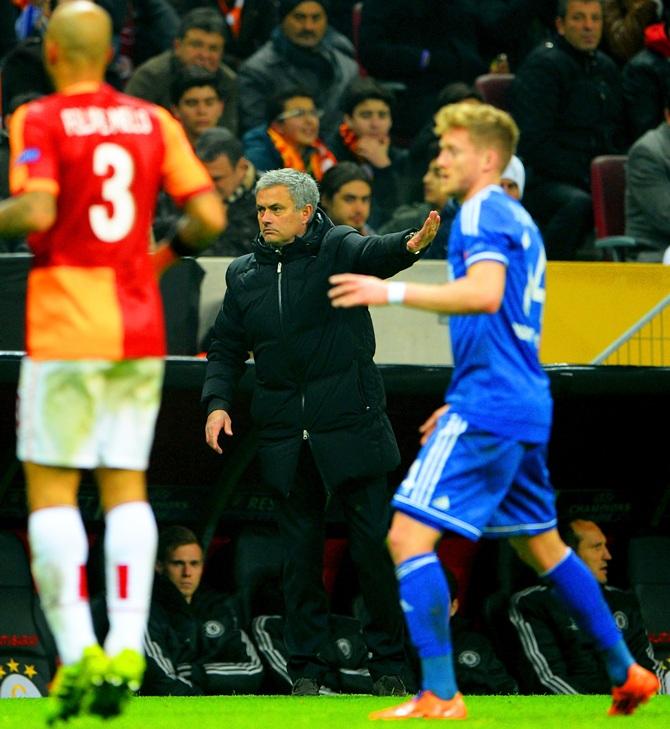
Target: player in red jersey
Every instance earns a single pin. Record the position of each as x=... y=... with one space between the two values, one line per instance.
x=87 y=163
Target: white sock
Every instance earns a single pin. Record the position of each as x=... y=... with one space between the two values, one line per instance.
x=59 y=550
x=130 y=557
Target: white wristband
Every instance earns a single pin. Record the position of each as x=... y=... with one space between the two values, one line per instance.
x=395 y=292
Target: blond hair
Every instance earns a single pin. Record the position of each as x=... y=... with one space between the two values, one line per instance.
x=487 y=126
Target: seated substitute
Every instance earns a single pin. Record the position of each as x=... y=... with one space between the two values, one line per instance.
x=561 y=657
x=194 y=645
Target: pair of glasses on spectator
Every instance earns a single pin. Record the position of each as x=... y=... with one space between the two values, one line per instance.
x=300 y=113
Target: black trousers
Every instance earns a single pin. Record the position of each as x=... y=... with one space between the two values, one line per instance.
x=301 y=519
x=564 y=214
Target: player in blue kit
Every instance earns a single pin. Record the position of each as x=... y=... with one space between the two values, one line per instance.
x=482 y=466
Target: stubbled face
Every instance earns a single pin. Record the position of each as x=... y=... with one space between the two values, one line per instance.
x=592 y=548
x=306 y=24
x=350 y=205
x=460 y=162
x=225 y=176
x=433 y=186
x=582 y=26
x=299 y=122
x=370 y=118
x=198 y=109
x=184 y=569
x=200 y=48
x=278 y=218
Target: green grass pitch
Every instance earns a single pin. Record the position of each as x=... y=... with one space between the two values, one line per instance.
x=342 y=712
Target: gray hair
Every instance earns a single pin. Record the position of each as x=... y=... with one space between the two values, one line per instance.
x=301 y=187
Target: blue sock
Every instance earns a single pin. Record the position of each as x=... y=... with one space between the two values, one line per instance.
x=581 y=594
x=424 y=597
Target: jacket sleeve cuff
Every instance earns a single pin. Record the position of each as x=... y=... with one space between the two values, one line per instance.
x=216 y=403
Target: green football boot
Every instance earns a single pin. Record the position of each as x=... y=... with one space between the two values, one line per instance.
x=120 y=681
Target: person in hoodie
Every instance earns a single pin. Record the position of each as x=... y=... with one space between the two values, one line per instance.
x=319 y=408
x=646 y=77
x=303 y=50
x=567 y=100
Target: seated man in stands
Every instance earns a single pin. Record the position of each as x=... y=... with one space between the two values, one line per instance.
x=200 y=42
x=364 y=137
x=198 y=100
x=567 y=99
x=435 y=198
x=194 y=645
x=234 y=178
x=346 y=194
x=647 y=189
x=560 y=656
x=291 y=136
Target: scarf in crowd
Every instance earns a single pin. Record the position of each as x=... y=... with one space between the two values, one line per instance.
x=349 y=138
x=656 y=39
x=318 y=158
x=232 y=12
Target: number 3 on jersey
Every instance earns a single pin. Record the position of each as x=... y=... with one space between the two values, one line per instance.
x=111 y=228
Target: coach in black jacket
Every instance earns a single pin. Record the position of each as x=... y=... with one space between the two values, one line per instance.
x=319 y=406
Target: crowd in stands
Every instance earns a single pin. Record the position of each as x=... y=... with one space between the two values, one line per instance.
x=312 y=84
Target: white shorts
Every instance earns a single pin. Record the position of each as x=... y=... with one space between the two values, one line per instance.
x=88 y=413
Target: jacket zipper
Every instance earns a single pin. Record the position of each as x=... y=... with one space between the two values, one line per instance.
x=279 y=298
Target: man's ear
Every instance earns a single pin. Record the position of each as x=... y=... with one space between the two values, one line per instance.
x=159 y=567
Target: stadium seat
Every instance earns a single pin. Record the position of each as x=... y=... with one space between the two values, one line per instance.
x=648 y=560
x=27 y=650
x=494 y=87
x=608 y=190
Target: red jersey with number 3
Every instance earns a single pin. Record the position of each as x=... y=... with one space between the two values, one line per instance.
x=92 y=291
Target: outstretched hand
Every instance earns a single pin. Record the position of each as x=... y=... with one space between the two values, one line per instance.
x=354 y=289
x=425 y=236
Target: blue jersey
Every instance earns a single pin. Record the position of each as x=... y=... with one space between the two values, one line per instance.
x=498 y=383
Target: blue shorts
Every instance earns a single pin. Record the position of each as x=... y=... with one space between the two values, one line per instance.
x=475 y=483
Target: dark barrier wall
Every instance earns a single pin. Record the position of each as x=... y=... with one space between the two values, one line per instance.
x=608 y=454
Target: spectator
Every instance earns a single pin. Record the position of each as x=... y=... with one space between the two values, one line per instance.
x=513 y=178
x=423 y=147
x=567 y=101
x=624 y=22
x=199 y=42
x=234 y=178
x=248 y=24
x=435 y=197
x=303 y=50
x=198 y=100
x=478 y=668
x=23 y=69
x=645 y=78
x=346 y=195
x=423 y=46
x=514 y=28
x=364 y=137
x=194 y=644
x=648 y=187
x=319 y=407
x=562 y=659
x=290 y=138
